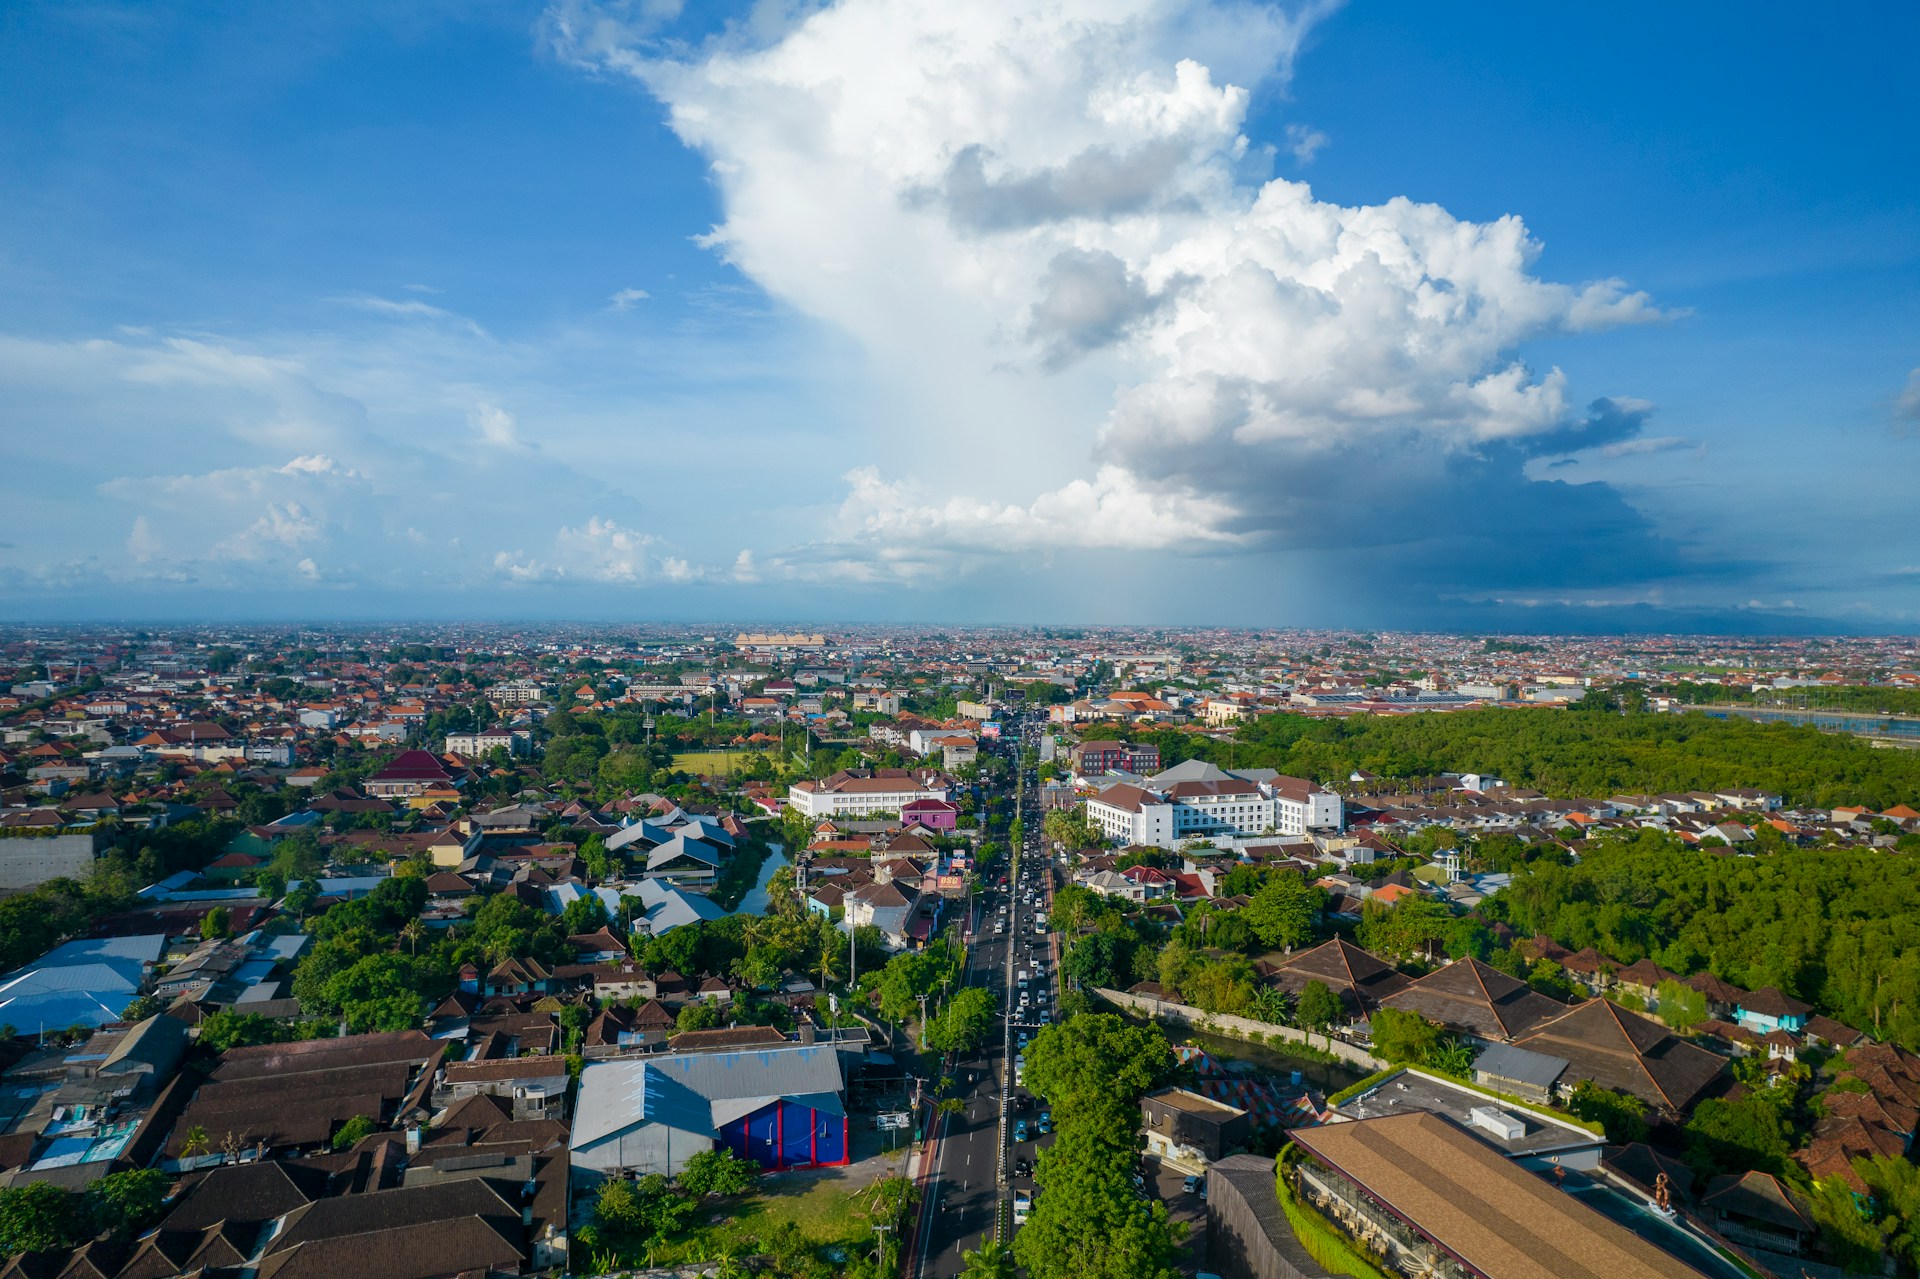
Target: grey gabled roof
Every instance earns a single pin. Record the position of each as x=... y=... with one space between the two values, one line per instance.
x=701 y=826
x=684 y=845
x=1504 y=1061
x=641 y=831
x=760 y=1072
x=700 y=1092
x=668 y=907
x=1192 y=770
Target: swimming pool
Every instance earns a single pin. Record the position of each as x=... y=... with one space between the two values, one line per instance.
x=1669 y=1236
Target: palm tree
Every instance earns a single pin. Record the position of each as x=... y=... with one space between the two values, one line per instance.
x=991 y=1260
x=729 y=1266
x=1452 y=1056
x=1270 y=1004
x=412 y=932
x=196 y=1142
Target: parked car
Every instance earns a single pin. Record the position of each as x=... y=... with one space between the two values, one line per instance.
x=1191 y=1185
x=1046 y=1122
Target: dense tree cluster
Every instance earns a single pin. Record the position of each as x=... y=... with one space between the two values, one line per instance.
x=42 y=1217
x=1088 y=1222
x=1569 y=753
x=1839 y=928
x=33 y=922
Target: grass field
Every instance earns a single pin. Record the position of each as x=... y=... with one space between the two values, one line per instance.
x=824 y=1207
x=714 y=763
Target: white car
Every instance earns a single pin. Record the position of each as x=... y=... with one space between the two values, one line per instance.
x=1022 y=1207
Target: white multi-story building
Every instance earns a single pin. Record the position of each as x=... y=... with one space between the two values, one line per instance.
x=1300 y=806
x=1199 y=801
x=859 y=794
x=516 y=692
x=271 y=752
x=512 y=741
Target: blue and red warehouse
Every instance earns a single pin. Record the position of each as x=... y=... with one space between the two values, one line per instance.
x=780 y=1106
x=787 y=1134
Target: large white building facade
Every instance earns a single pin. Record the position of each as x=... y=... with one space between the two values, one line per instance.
x=1196 y=800
x=864 y=793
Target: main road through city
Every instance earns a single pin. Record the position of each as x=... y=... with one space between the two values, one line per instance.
x=964 y=1185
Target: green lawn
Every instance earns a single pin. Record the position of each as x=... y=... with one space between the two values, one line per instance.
x=822 y=1206
x=715 y=763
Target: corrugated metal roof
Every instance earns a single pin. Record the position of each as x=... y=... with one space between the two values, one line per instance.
x=700 y=1092
x=83 y=983
x=1504 y=1061
x=669 y=907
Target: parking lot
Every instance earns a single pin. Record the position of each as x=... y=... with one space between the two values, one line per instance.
x=1167 y=1184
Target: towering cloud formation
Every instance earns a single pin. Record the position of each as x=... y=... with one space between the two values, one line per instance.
x=1065 y=191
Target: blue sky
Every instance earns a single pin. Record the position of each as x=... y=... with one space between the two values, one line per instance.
x=1144 y=311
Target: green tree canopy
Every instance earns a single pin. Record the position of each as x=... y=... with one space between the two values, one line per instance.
x=1681 y=1006
x=126 y=1203
x=1101 y=958
x=1406 y=928
x=1403 y=1037
x=354 y=1131
x=1318 y=1007
x=1285 y=910
x=1096 y=1055
x=39 y=1217
x=1623 y=1115
x=1087 y=1222
x=967 y=1021
x=717 y=1172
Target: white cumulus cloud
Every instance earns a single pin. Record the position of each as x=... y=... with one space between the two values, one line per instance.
x=1304 y=141
x=1908 y=403
x=1064 y=191
x=495 y=426
x=599 y=551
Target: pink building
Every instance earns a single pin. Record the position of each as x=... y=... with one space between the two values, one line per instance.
x=934 y=814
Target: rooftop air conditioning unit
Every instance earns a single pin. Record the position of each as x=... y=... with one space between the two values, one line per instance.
x=1497 y=1122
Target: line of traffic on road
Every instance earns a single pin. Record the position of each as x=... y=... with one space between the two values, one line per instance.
x=1031 y=984
x=1001 y=1125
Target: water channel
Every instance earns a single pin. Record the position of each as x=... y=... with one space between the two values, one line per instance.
x=755 y=902
x=1269 y=1061
x=1906 y=728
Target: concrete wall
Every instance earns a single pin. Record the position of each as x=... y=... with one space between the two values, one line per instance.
x=32 y=861
x=1240 y=1027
